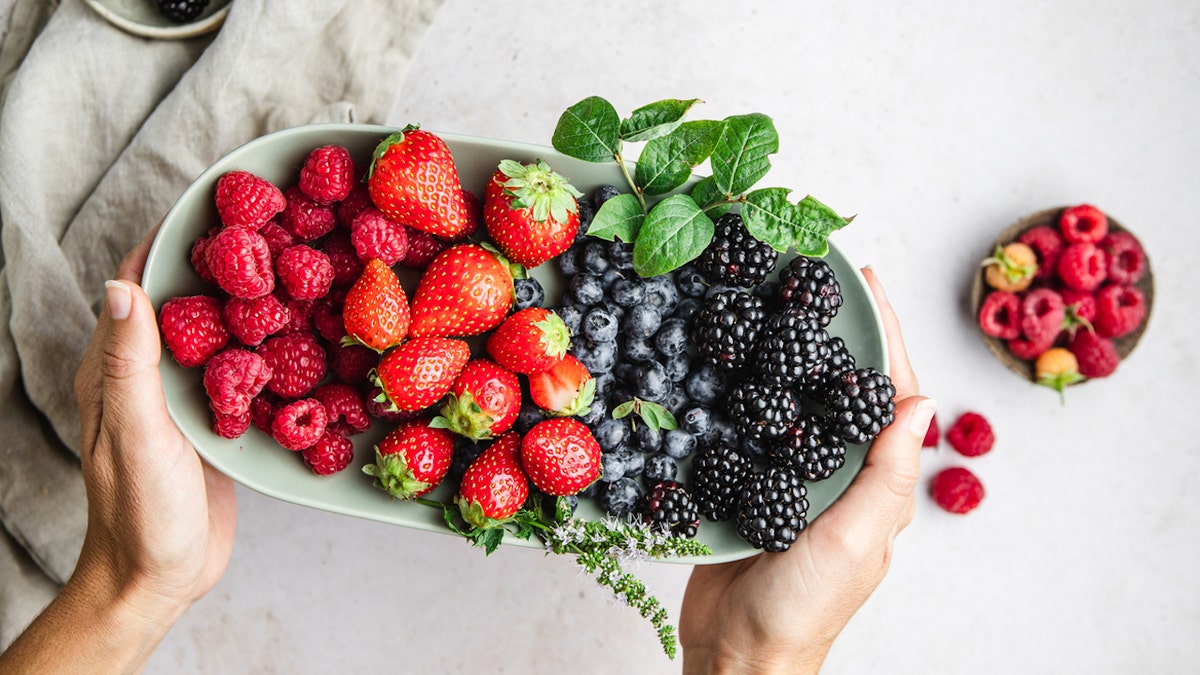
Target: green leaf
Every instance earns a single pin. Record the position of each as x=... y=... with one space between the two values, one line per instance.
x=656 y=119
x=624 y=409
x=674 y=232
x=666 y=162
x=805 y=226
x=740 y=158
x=657 y=417
x=708 y=197
x=589 y=130
x=620 y=216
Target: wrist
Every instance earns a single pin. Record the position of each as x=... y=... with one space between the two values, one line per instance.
x=753 y=659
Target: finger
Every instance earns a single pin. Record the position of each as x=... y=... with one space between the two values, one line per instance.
x=131 y=387
x=900 y=369
x=134 y=262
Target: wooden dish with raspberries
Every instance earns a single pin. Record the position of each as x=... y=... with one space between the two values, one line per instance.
x=1063 y=296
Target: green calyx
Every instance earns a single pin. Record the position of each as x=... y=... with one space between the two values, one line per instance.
x=472 y=513
x=581 y=404
x=463 y=416
x=386 y=144
x=556 y=337
x=1012 y=271
x=393 y=476
x=540 y=189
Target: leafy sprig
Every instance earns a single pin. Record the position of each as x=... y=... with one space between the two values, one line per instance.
x=676 y=229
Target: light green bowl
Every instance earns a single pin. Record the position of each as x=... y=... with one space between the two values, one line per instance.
x=259 y=463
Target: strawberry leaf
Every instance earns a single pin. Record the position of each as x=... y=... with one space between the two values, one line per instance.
x=619 y=217
x=666 y=162
x=806 y=226
x=589 y=130
x=740 y=158
x=656 y=119
x=674 y=232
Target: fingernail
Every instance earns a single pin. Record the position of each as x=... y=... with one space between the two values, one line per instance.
x=918 y=422
x=119 y=298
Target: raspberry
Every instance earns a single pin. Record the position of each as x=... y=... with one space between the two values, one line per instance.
x=352 y=364
x=932 y=434
x=375 y=236
x=1097 y=356
x=1000 y=315
x=1026 y=349
x=245 y=200
x=328 y=174
x=355 y=203
x=422 y=249
x=191 y=327
x=305 y=272
x=262 y=410
x=300 y=314
x=199 y=262
x=233 y=378
x=299 y=424
x=1083 y=223
x=1042 y=315
x=1048 y=244
x=240 y=261
x=1082 y=266
x=377 y=406
x=327 y=320
x=329 y=455
x=1119 y=310
x=1126 y=259
x=1081 y=306
x=305 y=218
x=971 y=435
x=231 y=426
x=252 y=321
x=297 y=362
x=956 y=489
x=277 y=238
x=347 y=415
x=347 y=268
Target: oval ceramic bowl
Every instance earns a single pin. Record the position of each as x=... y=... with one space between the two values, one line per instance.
x=141 y=17
x=256 y=461
x=980 y=289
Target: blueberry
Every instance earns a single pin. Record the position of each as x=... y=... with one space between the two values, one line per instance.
x=659 y=468
x=639 y=350
x=627 y=291
x=696 y=421
x=641 y=321
x=755 y=450
x=650 y=382
x=705 y=385
x=597 y=357
x=691 y=282
x=611 y=434
x=465 y=452
x=595 y=257
x=529 y=293
x=594 y=490
x=723 y=430
x=678 y=443
x=647 y=439
x=571 y=315
x=597 y=413
x=621 y=497
x=530 y=415
x=614 y=309
x=686 y=309
x=612 y=466
x=623 y=372
x=609 y=277
x=678 y=366
x=604 y=385
x=676 y=400
x=603 y=194
x=586 y=289
x=635 y=463
x=672 y=337
x=587 y=211
x=599 y=325
x=620 y=255
x=568 y=261
x=662 y=294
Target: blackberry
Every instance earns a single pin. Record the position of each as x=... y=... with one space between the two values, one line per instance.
x=762 y=410
x=725 y=328
x=791 y=348
x=670 y=510
x=807 y=446
x=839 y=361
x=858 y=404
x=773 y=509
x=735 y=257
x=718 y=472
x=181 y=11
x=809 y=284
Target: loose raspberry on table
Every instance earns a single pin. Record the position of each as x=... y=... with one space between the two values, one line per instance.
x=1042 y=315
x=1083 y=266
x=358 y=200
x=422 y=249
x=245 y=200
x=304 y=272
x=230 y=426
x=233 y=378
x=956 y=490
x=1119 y=310
x=932 y=434
x=352 y=364
x=192 y=328
x=240 y=261
x=376 y=236
x=329 y=455
x=1083 y=223
x=304 y=218
x=1000 y=315
x=199 y=262
x=299 y=424
x=297 y=363
x=1126 y=259
x=277 y=238
x=347 y=413
x=347 y=267
x=971 y=435
x=1048 y=244
x=1097 y=356
x=252 y=321
x=328 y=174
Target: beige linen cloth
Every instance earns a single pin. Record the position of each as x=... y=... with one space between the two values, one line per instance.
x=100 y=132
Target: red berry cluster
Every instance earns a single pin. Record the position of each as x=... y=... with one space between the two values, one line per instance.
x=1081 y=296
x=956 y=489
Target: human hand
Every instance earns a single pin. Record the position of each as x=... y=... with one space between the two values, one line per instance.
x=782 y=611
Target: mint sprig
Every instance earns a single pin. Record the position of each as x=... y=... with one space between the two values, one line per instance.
x=676 y=229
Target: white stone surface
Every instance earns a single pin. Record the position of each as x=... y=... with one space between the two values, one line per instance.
x=939 y=123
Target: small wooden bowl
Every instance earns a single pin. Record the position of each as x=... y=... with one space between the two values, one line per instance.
x=980 y=289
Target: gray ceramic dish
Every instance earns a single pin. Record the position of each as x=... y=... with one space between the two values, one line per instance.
x=141 y=17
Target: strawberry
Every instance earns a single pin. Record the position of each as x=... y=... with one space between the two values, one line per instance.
x=412 y=459
x=530 y=211
x=560 y=456
x=530 y=341
x=413 y=180
x=565 y=389
x=483 y=402
x=465 y=290
x=419 y=372
x=376 y=311
x=494 y=487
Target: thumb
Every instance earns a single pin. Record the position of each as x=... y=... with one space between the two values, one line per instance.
x=130 y=383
